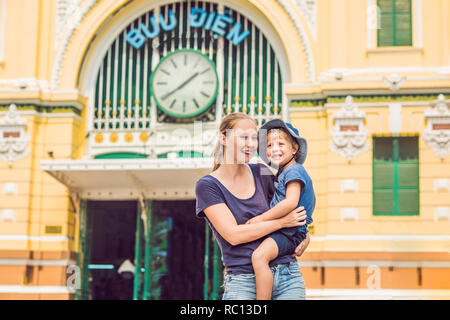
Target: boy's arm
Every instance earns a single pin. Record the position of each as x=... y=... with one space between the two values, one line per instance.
x=285 y=206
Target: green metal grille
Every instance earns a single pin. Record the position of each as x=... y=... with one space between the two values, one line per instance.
x=250 y=76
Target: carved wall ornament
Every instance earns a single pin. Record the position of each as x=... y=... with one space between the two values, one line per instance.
x=70 y=13
x=301 y=32
x=394 y=81
x=13 y=137
x=437 y=133
x=309 y=11
x=349 y=136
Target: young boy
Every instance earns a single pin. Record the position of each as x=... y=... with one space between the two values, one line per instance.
x=286 y=150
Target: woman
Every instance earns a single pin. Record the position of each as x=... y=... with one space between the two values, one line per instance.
x=234 y=193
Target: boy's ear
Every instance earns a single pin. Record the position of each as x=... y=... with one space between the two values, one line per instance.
x=297 y=148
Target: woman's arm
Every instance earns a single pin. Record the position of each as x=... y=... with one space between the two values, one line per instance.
x=282 y=208
x=224 y=222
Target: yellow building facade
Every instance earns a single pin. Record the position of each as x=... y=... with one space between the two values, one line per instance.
x=97 y=172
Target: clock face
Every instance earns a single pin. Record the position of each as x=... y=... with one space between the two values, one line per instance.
x=184 y=83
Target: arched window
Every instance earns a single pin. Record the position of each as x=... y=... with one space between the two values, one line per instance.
x=249 y=72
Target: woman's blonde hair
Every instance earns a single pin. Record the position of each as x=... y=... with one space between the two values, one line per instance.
x=228 y=122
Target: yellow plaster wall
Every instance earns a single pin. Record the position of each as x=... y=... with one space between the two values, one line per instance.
x=41 y=200
x=30 y=52
x=328 y=169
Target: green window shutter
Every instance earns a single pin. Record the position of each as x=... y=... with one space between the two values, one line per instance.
x=403 y=30
x=407 y=175
x=408 y=202
x=383 y=149
x=383 y=203
x=408 y=149
x=383 y=176
x=385 y=34
x=395 y=176
x=396 y=23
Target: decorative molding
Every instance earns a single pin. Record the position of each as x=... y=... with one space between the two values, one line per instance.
x=437 y=133
x=379 y=263
x=43 y=110
x=377 y=294
x=26 y=237
x=349 y=214
x=394 y=81
x=153 y=142
x=69 y=14
x=25 y=83
x=8 y=215
x=349 y=136
x=395 y=118
x=309 y=11
x=441 y=213
x=13 y=138
x=32 y=262
x=382 y=237
x=349 y=185
x=35 y=289
x=10 y=188
x=337 y=74
x=306 y=45
x=367 y=100
x=441 y=184
x=65 y=9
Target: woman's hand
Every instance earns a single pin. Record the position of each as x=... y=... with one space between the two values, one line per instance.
x=302 y=246
x=295 y=218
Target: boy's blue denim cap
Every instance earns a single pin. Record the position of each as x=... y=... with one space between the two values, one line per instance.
x=277 y=124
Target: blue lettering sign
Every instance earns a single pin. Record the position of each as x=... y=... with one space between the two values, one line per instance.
x=150 y=34
x=235 y=36
x=135 y=38
x=171 y=25
x=210 y=20
x=198 y=18
x=220 y=23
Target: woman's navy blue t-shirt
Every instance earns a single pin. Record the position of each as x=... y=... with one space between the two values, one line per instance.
x=209 y=191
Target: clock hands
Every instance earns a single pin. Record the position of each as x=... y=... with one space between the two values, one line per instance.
x=180 y=86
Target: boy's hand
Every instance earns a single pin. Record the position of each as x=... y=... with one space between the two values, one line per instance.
x=302 y=246
x=254 y=220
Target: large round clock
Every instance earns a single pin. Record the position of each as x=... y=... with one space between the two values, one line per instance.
x=184 y=83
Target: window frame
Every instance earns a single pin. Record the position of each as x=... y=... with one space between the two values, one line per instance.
x=395 y=187
x=394 y=25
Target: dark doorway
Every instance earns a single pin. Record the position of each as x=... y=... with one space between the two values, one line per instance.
x=113 y=225
x=182 y=277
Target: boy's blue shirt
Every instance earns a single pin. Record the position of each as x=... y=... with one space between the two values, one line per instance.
x=307 y=197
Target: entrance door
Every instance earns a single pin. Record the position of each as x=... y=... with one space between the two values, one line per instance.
x=168 y=251
x=113 y=225
x=178 y=247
